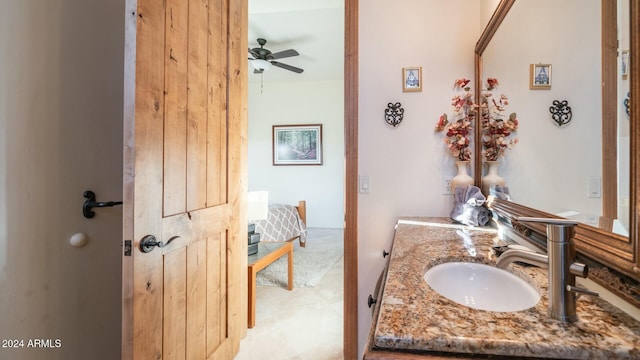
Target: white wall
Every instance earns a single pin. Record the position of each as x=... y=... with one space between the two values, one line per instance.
x=550 y=167
x=405 y=164
x=300 y=102
x=487 y=7
x=60 y=134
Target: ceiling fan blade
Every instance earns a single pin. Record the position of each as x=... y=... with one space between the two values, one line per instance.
x=282 y=54
x=253 y=53
x=287 y=67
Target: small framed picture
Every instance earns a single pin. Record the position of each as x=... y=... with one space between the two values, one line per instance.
x=540 y=77
x=297 y=144
x=412 y=79
x=624 y=64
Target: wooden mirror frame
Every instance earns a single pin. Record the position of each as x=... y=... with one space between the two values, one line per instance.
x=615 y=258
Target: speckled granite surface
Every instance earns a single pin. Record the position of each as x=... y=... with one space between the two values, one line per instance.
x=414 y=317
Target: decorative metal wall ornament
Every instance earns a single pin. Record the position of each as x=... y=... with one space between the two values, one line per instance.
x=561 y=112
x=627 y=104
x=393 y=114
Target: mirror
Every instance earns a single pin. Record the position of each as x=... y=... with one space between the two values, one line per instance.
x=582 y=169
x=565 y=161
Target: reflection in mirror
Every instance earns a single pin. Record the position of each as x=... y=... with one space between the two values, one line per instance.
x=557 y=169
x=614 y=259
x=623 y=128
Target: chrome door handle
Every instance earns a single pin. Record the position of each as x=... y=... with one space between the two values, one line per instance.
x=149 y=242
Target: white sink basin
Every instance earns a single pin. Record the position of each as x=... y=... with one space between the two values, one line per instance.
x=481 y=286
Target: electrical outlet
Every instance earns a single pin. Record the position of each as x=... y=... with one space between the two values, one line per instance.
x=446 y=185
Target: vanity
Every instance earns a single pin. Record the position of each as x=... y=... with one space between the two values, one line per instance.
x=410 y=320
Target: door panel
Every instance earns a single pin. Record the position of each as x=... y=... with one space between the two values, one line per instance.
x=196 y=300
x=175 y=309
x=197 y=119
x=218 y=45
x=185 y=156
x=216 y=282
x=175 y=61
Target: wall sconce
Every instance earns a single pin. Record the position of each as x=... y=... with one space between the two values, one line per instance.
x=393 y=114
x=561 y=112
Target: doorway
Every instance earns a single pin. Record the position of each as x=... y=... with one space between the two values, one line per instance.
x=278 y=96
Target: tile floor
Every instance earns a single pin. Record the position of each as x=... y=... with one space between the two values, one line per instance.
x=302 y=324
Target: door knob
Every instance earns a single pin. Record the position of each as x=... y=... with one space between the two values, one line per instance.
x=371 y=300
x=149 y=242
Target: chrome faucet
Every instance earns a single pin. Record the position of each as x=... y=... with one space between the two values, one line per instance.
x=560 y=260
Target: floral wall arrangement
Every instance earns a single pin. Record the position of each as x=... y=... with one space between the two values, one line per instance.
x=497 y=128
x=457 y=132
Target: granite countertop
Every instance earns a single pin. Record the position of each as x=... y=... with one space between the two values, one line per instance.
x=414 y=317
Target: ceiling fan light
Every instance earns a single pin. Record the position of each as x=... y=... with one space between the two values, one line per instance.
x=260 y=64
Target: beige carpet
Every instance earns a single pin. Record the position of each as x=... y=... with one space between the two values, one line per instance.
x=310 y=263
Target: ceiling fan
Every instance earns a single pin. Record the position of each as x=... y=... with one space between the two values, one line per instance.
x=263 y=59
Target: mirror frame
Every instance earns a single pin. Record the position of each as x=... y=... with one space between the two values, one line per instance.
x=616 y=257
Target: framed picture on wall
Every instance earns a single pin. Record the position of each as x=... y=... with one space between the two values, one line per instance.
x=412 y=79
x=540 y=76
x=297 y=144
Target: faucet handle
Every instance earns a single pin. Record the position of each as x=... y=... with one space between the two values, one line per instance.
x=579 y=269
x=581 y=291
x=548 y=221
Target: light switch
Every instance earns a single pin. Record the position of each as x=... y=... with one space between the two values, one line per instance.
x=595 y=189
x=364 y=184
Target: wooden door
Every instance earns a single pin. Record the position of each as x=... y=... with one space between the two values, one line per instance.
x=185 y=178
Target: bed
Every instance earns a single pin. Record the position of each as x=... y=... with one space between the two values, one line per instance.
x=284 y=223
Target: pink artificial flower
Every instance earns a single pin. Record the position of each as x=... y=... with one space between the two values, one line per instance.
x=492 y=83
x=496 y=128
x=442 y=122
x=456 y=132
x=462 y=82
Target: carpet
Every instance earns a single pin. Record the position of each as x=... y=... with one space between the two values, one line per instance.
x=310 y=263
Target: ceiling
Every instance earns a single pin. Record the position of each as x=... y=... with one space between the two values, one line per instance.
x=315 y=28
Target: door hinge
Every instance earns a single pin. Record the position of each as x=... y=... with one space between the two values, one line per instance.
x=127 y=248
